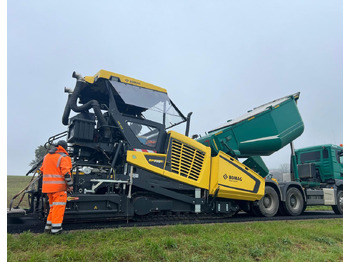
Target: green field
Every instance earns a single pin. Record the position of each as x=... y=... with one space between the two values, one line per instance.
x=14 y=185
x=318 y=240
x=314 y=240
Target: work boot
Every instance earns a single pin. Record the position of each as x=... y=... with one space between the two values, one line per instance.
x=57 y=232
x=47 y=231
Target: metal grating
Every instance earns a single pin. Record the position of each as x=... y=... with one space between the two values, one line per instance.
x=186 y=161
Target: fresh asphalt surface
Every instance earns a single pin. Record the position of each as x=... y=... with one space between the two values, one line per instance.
x=19 y=225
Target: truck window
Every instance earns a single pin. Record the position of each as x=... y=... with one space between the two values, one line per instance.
x=310 y=156
x=339 y=156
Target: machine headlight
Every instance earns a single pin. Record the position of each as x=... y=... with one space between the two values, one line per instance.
x=86 y=170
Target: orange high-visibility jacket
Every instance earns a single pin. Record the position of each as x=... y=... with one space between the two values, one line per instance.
x=55 y=166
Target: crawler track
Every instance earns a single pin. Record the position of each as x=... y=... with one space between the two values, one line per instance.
x=20 y=225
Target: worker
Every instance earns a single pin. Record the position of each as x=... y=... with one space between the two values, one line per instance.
x=56 y=170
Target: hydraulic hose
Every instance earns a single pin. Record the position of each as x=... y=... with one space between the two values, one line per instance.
x=72 y=104
x=66 y=112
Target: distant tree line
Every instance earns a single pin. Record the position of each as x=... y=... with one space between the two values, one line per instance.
x=40 y=152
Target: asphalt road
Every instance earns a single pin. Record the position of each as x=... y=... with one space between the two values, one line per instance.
x=19 y=225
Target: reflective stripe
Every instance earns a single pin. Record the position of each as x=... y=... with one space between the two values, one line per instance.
x=69 y=182
x=59 y=160
x=48 y=225
x=53 y=176
x=57 y=225
x=54 y=182
x=145 y=150
x=59 y=203
x=68 y=179
x=54 y=231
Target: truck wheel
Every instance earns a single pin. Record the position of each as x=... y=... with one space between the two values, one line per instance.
x=268 y=205
x=294 y=204
x=338 y=208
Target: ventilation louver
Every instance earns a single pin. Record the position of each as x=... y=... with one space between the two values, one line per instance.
x=186 y=161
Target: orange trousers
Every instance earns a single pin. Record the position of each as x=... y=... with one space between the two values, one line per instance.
x=57 y=202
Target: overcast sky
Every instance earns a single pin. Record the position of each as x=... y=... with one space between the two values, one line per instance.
x=217 y=59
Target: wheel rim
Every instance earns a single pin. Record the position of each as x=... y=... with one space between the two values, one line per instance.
x=268 y=205
x=267 y=201
x=341 y=200
x=294 y=202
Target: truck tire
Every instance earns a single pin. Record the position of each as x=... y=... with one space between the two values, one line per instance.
x=269 y=204
x=338 y=208
x=294 y=204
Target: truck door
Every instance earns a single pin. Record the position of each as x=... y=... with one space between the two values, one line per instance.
x=337 y=161
x=325 y=167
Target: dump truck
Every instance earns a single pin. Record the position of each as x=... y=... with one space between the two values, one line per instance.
x=316 y=176
x=128 y=163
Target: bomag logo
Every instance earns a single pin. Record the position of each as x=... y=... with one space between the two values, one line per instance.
x=235 y=178
x=159 y=161
x=132 y=82
x=232 y=178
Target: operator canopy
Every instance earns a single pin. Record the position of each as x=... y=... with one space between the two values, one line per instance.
x=150 y=104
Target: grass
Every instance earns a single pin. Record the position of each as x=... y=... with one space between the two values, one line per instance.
x=319 y=240
x=14 y=185
x=319 y=208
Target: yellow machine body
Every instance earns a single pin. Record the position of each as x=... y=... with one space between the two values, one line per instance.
x=186 y=160
x=124 y=79
x=190 y=162
x=232 y=179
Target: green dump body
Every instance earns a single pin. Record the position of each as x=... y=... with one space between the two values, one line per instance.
x=260 y=132
x=257 y=164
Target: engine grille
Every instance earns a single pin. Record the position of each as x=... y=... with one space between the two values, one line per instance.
x=186 y=161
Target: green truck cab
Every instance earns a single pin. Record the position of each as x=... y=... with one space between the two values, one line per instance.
x=320 y=172
x=319 y=164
